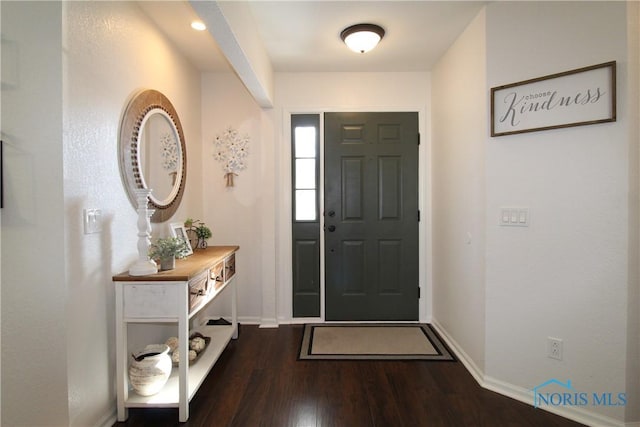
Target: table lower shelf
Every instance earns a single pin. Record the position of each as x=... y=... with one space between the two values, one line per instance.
x=168 y=397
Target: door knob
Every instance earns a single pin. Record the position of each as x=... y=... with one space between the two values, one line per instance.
x=331 y=228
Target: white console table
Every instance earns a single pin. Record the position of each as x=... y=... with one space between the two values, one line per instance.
x=175 y=296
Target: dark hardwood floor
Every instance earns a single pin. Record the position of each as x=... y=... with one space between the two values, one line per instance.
x=258 y=382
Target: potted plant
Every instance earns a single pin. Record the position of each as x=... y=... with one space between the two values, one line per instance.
x=166 y=250
x=201 y=231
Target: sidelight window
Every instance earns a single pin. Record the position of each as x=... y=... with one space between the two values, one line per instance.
x=305 y=172
x=305 y=227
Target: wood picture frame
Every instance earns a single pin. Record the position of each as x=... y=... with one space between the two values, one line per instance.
x=579 y=97
x=177 y=230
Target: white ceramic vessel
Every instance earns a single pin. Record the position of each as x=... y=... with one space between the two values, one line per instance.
x=150 y=369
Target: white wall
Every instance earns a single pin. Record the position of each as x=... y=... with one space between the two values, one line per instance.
x=112 y=51
x=240 y=215
x=569 y=274
x=459 y=117
x=566 y=275
x=58 y=311
x=633 y=306
x=34 y=336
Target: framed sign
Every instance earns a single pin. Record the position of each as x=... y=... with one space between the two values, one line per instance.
x=573 y=98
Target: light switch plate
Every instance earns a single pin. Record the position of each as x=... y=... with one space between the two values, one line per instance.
x=92 y=220
x=514 y=216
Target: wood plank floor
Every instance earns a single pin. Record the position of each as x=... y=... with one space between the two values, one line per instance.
x=258 y=382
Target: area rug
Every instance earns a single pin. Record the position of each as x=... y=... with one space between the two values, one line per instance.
x=372 y=342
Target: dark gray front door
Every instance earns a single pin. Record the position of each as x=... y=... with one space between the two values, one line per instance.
x=371 y=216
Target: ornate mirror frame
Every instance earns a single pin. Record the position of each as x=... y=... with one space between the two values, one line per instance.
x=142 y=105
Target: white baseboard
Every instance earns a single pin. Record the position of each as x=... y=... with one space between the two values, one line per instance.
x=268 y=323
x=523 y=395
x=468 y=363
x=108 y=420
x=249 y=320
x=577 y=414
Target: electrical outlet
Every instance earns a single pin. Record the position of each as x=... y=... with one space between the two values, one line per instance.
x=554 y=348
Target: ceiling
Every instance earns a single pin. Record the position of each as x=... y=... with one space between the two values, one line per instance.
x=304 y=35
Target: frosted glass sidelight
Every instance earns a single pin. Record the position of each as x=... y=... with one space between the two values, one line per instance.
x=305 y=205
x=305 y=141
x=305 y=174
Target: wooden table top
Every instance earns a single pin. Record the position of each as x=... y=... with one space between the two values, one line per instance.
x=186 y=268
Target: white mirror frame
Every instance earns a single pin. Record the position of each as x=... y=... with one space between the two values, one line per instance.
x=142 y=104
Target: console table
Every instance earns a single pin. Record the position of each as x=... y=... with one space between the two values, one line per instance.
x=175 y=296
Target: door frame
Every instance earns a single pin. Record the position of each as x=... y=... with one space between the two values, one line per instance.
x=284 y=212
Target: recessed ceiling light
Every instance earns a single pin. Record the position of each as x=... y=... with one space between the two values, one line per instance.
x=198 y=25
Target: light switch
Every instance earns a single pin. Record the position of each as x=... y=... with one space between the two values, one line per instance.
x=522 y=216
x=514 y=216
x=506 y=215
x=92 y=219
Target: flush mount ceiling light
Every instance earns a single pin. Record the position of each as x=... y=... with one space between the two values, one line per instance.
x=362 y=38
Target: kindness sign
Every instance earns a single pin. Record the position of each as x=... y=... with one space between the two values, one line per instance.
x=573 y=98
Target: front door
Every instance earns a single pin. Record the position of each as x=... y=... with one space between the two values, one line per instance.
x=371 y=216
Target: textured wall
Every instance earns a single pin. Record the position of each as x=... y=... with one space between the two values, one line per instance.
x=76 y=71
x=33 y=277
x=112 y=50
x=237 y=215
x=459 y=116
x=633 y=303
x=565 y=275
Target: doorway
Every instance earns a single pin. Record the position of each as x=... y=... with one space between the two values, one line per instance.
x=370 y=221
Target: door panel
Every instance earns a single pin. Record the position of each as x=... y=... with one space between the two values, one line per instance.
x=306 y=268
x=371 y=230
x=390 y=251
x=352 y=194
x=353 y=273
x=389 y=188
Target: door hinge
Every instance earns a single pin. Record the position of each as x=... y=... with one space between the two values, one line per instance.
x=418 y=292
x=418 y=139
x=418 y=215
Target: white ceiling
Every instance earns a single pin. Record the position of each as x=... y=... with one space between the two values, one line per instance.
x=304 y=35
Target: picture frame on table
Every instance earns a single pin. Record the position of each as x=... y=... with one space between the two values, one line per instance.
x=177 y=230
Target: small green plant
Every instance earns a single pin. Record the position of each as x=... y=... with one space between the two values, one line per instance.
x=201 y=231
x=168 y=247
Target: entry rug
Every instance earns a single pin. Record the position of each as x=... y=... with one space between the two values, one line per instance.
x=372 y=342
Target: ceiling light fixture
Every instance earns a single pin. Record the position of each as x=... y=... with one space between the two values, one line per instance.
x=362 y=38
x=198 y=25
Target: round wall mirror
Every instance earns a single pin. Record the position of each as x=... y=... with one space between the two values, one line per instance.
x=152 y=152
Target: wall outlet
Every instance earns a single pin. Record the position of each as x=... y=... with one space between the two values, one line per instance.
x=554 y=348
